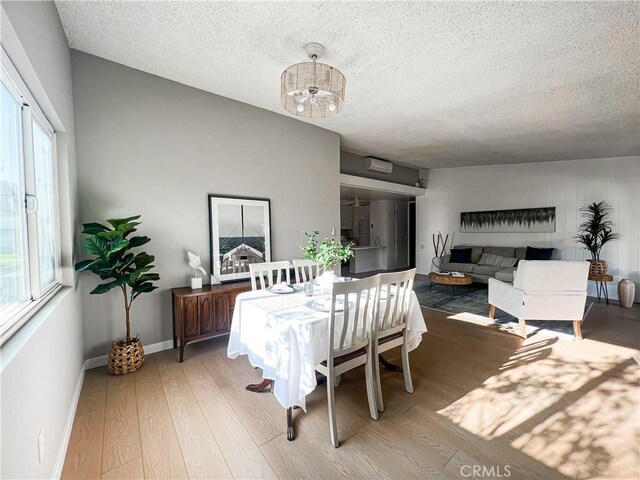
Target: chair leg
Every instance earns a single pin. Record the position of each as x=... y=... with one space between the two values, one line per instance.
x=338 y=380
x=492 y=311
x=371 y=388
x=523 y=328
x=408 y=385
x=378 y=386
x=577 y=330
x=331 y=404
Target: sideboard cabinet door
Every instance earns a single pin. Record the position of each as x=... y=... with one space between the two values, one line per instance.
x=207 y=314
x=221 y=302
x=190 y=316
x=203 y=313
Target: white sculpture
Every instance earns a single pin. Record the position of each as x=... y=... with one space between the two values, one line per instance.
x=196 y=263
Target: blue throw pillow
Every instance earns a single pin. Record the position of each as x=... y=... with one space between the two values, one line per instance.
x=460 y=255
x=538 y=253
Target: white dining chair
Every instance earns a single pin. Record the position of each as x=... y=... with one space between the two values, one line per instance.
x=349 y=342
x=391 y=330
x=270 y=270
x=306 y=270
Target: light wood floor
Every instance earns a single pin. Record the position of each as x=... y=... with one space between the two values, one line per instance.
x=543 y=408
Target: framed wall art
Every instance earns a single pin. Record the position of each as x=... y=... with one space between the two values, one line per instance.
x=240 y=230
x=521 y=220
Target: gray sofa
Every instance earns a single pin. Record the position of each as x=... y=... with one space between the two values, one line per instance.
x=482 y=273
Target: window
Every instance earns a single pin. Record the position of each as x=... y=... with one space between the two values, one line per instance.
x=29 y=233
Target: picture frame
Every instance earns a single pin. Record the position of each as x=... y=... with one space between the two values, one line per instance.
x=520 y=220
x=240 y=234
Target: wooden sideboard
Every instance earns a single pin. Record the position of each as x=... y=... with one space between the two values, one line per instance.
x=203 y=313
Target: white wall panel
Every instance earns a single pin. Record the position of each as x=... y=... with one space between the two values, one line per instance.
x=566 y=185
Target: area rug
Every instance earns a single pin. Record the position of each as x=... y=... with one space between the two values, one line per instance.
x=472 y=305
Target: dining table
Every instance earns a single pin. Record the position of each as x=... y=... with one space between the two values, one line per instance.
x=285 y=333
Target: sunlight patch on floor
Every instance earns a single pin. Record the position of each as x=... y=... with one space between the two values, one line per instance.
x=558 y=410
x=592 y=429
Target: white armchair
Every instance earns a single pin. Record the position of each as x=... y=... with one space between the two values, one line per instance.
x=543 y=290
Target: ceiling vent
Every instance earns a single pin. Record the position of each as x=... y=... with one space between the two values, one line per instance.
x=377 y=165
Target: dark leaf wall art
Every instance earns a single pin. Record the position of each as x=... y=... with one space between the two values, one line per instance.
x=522 y=220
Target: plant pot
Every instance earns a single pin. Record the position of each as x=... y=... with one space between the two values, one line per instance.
x=325 y=281
x=626 y=293
x=196 y=283
x=597 y=267
x=125 y=357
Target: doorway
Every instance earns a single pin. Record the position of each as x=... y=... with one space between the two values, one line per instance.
x=381 y=227
x=412 y=234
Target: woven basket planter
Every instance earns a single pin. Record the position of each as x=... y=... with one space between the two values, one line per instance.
x=598 y=267
x=125 y=358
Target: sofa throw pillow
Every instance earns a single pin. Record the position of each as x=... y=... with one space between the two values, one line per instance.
x=460 y=255
x=497 y=260
x=538 y=253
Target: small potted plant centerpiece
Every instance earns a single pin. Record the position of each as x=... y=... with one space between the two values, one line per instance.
x=329 y=253
x=119 y=267
x=594 y=232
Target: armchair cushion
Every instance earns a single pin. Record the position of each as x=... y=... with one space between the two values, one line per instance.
x=551 y=275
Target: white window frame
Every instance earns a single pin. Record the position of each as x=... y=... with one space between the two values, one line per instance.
x=12 y=317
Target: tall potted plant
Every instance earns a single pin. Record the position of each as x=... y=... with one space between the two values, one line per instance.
x=119 y=267
x=594 y=232
x=329 y=253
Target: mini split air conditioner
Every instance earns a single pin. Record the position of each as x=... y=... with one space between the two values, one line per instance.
x=377 y=165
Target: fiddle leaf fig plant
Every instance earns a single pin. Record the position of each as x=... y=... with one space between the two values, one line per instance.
x=115 y=263
x=329 y=253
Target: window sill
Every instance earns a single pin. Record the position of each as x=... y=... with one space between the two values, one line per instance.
x=44 y=305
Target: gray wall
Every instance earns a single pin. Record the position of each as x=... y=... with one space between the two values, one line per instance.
x=353 y=164
x=42 y=362
x=150 y=146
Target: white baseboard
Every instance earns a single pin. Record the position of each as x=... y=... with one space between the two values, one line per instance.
x=66 y=435
x=148 y=349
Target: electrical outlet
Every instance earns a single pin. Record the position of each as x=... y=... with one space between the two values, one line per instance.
x=41 y=445
x=333 y=231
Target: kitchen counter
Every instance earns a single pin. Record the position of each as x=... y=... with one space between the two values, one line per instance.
x=369 y=247
x=368 y=258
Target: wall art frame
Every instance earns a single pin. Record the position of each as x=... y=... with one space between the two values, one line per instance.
x=240 y=234
x=519 y=220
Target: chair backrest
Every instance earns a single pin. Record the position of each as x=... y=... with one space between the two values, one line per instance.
x=268 y=270
x=306 y=270
x=394 y=298
x=551 y=276
x=351 y=329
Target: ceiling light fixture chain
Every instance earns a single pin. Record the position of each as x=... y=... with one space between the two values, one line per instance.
x=312 y=89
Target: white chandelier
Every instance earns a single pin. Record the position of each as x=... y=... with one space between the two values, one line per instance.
x=312 y=89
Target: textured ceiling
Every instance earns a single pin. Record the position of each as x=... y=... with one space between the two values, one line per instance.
x=428 y=84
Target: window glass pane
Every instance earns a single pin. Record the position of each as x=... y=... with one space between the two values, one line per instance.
x=13 y=249
x=45 y=195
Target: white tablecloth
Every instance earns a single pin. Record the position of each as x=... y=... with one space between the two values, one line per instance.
x=286 y=339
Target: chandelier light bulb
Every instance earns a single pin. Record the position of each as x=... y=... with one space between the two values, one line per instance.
x=300 y=107
x=332 y=106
